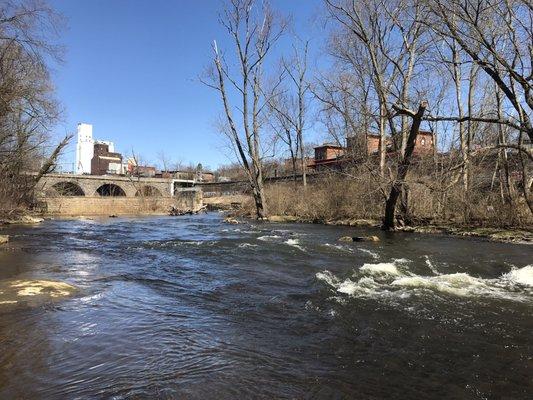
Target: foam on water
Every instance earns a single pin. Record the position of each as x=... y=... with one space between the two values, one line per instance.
x=339 y=247
x=268 y=238
x=431 y=266
x=459 y=284
x=243 y=245
x=381 y=269
x=522 y=276
x=294 y=243
x=383 y=280
x=373 y=254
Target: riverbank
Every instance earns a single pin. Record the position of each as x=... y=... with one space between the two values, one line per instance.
x=20 y=217
x=509 y=235
x=503 y=235
x=233 y=207
x=237 y=206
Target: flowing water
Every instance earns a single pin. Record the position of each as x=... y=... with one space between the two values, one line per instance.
x=191 y=307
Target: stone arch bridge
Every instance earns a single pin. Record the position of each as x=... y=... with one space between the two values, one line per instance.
x=90 y=194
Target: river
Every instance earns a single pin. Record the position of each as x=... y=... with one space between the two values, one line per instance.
x=191 y=307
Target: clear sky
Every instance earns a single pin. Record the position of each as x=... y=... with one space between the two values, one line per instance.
x=131 y=70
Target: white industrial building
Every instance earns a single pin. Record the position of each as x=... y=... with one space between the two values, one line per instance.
x=85 y=150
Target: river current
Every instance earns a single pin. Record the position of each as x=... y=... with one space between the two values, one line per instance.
x=193 y=308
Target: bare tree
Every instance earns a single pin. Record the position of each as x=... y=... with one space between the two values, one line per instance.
x=28 y=108
x=290 y=107
x=387 y=36
x=403 y=166
x=254 y=30
x=497 y=36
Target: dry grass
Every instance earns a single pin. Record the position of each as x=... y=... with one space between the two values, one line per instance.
x=340 y=197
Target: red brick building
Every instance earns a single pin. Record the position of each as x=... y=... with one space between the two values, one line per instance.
x=327 y=156
x=331 y=156
x=145 y=171
x=424 y=143
x=105 y=162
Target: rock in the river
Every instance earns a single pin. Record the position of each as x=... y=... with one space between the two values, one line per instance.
x=230 y=220
x=346 y=239
x=371 y=238
x=4 y=239
x=28 y=219
x=33 y=292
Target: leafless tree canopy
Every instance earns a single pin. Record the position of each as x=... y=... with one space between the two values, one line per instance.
x=239 y=79
x=28 y=108
x=461 y=69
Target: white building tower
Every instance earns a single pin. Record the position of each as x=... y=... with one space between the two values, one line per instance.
x=84 y=149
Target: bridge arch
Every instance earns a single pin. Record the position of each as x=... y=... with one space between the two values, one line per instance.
x=110 y=189
x=148 y=191
x=68 y=188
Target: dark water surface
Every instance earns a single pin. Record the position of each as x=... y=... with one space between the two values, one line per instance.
x=191 y=307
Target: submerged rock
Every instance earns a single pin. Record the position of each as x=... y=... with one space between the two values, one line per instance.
x=4 y=239
x=33 y=292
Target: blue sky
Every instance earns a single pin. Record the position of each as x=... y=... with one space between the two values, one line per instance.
x=131 y=70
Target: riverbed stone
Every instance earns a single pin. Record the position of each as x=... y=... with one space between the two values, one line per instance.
x=33 y=292
x=28 y=219
x=4 y=239
x=371 y=238
x=346 y=239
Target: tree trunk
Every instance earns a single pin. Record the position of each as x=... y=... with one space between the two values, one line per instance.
x=389 y=222
x=302 y=160
x=382 y=142
x=258 y=192
x=50 y=161
x=390 y=207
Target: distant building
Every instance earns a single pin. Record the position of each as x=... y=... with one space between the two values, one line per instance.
x=95 y=157
x=145 y=171
x=326 y=156
x=205 y=176
x=332 y=156
x=105 y=160
x=84 y=149
x=197 y=175
x=177 y=174
x=423 y=145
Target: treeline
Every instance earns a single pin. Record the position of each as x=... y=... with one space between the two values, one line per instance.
x=461 y=69
x=28 y=107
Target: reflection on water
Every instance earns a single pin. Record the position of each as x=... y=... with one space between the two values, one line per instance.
x=192 y=308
